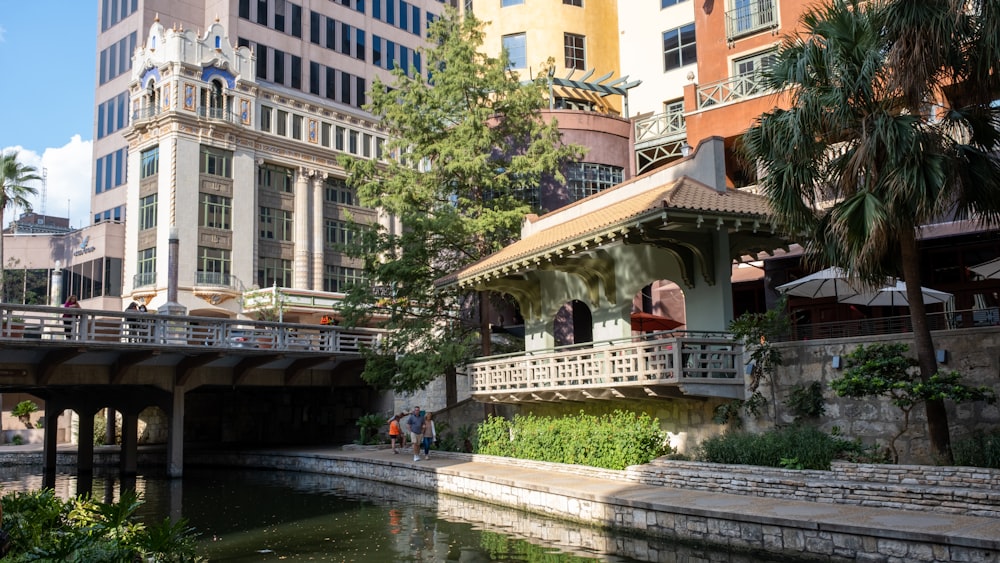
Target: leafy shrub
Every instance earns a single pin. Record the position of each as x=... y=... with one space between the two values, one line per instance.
x=806 y=401
x=979 y=450
x=370 y=425
x=43 y=527
x=798 y=447
x=612 y=441
x=23 y=412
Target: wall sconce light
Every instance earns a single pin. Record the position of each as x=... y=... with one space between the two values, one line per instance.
x=749 y=368
x=941 y=356
x=685 y=149
x=835 y=362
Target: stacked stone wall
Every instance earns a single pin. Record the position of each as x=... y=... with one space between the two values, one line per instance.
x=975 y=353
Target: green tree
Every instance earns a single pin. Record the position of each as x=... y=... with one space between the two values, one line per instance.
x=883 y=370
x=467 y=148
x=890 y=118
x=14 y=190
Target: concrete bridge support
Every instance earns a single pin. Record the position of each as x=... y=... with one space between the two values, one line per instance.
x=175 y=441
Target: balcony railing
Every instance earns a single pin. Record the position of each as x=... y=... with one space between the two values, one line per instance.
x=659 y=128
x=750 y=17
x=731 y=90
x=213 y=278
x=969 y=318
x=665 y=359
x=142 y=114
x=144 y=279
x=221 y=114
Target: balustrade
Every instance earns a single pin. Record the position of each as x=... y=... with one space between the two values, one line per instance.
x=665 y=359
x=133 y=329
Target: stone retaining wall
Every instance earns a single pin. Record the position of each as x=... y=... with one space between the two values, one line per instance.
x=790 y=536
x=970 y=491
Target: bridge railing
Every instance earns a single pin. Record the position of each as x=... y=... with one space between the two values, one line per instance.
x=132 y=328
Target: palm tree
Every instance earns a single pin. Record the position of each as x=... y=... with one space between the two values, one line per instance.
x=891 y=120
x=14 y=192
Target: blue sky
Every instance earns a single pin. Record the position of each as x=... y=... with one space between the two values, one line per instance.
x=47 y=58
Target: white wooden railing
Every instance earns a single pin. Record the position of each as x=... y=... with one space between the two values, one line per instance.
x=86 y=326
x=732 y=89
x=664 y=358
x=660 y=127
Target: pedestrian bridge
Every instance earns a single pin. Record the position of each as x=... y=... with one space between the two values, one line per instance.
x=87 y=360
x=44 y=346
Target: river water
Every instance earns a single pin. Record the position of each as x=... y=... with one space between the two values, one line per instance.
x=252 y=515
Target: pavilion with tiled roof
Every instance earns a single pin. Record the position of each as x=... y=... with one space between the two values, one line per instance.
x=679 y=223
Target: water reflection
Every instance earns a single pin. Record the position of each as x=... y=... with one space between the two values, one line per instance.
x=247 y=515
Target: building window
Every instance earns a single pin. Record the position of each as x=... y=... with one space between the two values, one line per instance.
x=755 y=63
x=297 y=127
x=338 y=233
x=578 y=3
x=145 y=268
x=575 y=48
x=274 y=271
x=281 y=123
x=276 y=224
x=215 y=211
x=339 y=279
x=585 y=178
x=216 y=162
x=668 y=3
x=147 y=212
x=505 y=3
x=679 y=47
x=516 y=47
x=214 y=266
x=149 y=162
x=337 y=191
x=274 y=177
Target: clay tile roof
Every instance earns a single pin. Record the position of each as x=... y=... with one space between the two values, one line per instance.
x=682 y=195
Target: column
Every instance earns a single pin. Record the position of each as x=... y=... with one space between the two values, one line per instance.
x=52 y=412
x=175 y=442
x=301 y=264
x=129 y=457
x=318 y=230
x=85 y=441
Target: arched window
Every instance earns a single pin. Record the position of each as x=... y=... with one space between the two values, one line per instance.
x=217 y=100
x=151 y=100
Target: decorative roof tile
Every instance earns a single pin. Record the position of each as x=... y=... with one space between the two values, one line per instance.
x=683 y=195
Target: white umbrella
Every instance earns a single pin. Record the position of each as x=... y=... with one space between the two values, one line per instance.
x=831 y=282
x=989 y=269
x=895 y=296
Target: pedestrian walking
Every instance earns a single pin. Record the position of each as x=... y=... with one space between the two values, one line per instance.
x=429 y=435
x=415 y=425
x=394 y=432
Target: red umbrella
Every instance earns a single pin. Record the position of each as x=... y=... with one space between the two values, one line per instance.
x=646 y=322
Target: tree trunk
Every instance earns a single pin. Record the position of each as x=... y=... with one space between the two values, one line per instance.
x=937 y=416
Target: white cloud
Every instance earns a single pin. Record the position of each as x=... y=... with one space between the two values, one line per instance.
x=3 y=33
x=68 y=181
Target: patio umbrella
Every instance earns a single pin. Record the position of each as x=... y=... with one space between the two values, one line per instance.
x=989 y=269
x=831 y=282
x=895 y=296
x=643 y=322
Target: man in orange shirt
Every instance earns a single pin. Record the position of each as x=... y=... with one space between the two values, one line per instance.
x=394 y=432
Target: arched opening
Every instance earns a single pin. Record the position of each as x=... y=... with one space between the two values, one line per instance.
x=573 y=324
x=658 y=306
x=213 y=100
x=151 y=101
